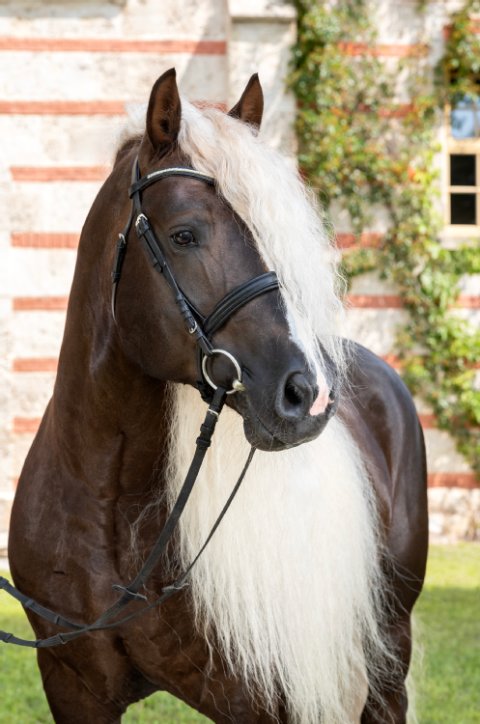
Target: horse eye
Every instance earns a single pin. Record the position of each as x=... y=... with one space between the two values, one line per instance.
x=183 y=238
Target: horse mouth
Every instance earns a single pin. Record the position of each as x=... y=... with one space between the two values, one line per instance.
x=280 y=435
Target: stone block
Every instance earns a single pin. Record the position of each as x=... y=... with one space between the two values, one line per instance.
x=60 y=140
x=454 y=514
x=37 y=334
x=34 y=206
x=442 y=455
x=374 y=328
x=44 y=272
x=31 y=393
x=108 y=76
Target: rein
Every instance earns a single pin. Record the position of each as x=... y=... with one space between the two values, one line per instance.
x=200 y=328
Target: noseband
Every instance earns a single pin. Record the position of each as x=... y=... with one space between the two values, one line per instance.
x=201 y=328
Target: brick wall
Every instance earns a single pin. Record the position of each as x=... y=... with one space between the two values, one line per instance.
x=71 y=71
x=376 y=310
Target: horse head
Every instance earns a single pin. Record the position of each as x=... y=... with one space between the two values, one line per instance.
x=207 y=232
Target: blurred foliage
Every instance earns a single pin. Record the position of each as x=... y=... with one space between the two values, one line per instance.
x=461 y=62
x=366 y=153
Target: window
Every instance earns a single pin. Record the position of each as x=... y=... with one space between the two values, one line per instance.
x=464 y=189
x=463 y=207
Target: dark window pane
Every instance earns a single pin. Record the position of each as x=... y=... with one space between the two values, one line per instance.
x=462 y=209
x=462 y=170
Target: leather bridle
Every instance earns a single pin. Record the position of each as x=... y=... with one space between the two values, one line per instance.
x=201 y=328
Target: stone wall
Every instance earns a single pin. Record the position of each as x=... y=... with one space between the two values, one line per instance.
x=376 y=312
x=71 y=71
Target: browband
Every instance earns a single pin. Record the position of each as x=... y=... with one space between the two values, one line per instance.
x=151 y=178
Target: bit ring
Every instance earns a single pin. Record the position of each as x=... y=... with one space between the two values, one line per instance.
x=237 y=385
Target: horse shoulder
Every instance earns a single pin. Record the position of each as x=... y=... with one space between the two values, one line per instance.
x=379 y=411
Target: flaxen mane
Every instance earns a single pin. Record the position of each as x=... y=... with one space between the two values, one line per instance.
x=286 y=588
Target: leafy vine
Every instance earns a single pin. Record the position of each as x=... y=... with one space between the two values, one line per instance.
x=364 y=151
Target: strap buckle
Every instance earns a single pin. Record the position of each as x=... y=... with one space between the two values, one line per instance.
x=127 y=592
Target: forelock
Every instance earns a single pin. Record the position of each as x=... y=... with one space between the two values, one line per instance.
x=266 y=191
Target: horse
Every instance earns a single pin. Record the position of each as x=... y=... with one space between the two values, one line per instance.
x=299 y=608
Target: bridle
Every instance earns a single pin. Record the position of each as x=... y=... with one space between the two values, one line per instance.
x=201 y=328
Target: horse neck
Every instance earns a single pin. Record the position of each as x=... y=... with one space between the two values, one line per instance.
x=109 y=419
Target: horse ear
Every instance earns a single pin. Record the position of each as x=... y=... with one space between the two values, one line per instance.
x=164 y=112
x=250 y=106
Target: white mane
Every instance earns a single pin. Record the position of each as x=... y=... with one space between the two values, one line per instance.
x=288 y=588
x=270 y=197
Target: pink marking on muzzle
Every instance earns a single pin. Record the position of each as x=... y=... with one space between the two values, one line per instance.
x=323 y=397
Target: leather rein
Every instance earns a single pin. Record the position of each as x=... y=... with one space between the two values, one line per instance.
x=201 y=328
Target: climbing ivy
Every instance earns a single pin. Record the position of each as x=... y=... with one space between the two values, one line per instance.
x=461 y=62
x=367 y=154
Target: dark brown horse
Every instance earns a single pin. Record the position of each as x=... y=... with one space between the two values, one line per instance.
x=299 y=609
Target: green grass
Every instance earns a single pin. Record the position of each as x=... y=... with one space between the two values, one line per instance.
x=448 y=616
x=448 y=675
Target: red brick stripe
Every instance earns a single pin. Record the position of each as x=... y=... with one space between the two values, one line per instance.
x=35 y=364
x=114 y=45
x=50 y=364
x=80 y=108
x=453 y=480
x=375 y=301
x=25 y=425
x=398 y=111
x=393 y=301
x=367 y=239
x=394 y=361
x=383 y=50
x=44 y=240
x=40 y=304
x=67 y=108
x=358 y=301
x=59 y=173
x=427 y=420
x=468 y=301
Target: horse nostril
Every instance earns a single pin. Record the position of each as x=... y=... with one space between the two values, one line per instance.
x=292 y=394
x=295 y=397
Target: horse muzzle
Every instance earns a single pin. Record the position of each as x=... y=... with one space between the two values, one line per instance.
x=296 y=412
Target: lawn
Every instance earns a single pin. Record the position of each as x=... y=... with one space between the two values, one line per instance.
x=448 y=671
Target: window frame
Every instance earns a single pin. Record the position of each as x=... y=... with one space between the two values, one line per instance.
x=459 y=147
